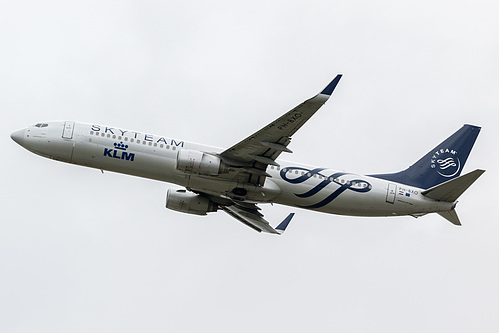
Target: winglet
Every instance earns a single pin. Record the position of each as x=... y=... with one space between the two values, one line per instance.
x=284 y=224
x=330 y=87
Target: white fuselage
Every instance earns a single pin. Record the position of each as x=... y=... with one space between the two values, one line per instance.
x=152 y=156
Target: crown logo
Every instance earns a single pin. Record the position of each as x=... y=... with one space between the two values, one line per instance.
x=120 y=146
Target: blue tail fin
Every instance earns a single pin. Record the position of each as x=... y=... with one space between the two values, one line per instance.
x=443 y=163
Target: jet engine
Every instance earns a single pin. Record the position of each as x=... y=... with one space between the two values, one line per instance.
x=197 y=162
x=187 y=202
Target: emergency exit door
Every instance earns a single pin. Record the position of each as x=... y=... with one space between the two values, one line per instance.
x=67 y=132
x=390 y=194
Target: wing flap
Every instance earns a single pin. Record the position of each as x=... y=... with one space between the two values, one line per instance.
x=254 y=219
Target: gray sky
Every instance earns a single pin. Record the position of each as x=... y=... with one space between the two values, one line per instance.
x=81 y=251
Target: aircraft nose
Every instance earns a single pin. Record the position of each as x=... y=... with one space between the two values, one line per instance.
x=18 y=137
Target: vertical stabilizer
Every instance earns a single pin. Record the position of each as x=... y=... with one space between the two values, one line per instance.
x=441 y=164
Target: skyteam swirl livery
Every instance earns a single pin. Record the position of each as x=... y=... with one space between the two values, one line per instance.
x=237 y=179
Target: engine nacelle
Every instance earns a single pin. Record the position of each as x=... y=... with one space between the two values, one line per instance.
x=187 y=202
x=197 y=162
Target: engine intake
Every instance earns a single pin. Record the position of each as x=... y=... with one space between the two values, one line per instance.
x=187 y=202
x=197 y=162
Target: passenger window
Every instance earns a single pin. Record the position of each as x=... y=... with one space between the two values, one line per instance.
x=114 y=136
x=131 y=140
x=160 y=145
x=150 y=143
x=126 y=138
x=119 y=137
x=91 y=132
x=174 y=148
x=155 y=144
x=102 y=134
x=138 y=141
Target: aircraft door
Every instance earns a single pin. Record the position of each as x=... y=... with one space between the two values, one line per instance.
x=67 y=132
x=390 y=194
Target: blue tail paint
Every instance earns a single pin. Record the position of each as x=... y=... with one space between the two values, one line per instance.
x=443 y=163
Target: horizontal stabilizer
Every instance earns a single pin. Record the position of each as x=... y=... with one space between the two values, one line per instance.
x=451 y=190
x=450 y=216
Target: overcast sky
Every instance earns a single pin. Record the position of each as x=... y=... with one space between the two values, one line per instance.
x=86 y=252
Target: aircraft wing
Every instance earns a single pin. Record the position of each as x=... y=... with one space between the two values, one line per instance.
x=254 y=219
x=262 y=148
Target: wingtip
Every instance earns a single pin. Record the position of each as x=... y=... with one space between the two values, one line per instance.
x=331 y=86
x=284 y=224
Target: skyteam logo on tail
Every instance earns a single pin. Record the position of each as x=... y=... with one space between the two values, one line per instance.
x=119 y=152
x=446 y=162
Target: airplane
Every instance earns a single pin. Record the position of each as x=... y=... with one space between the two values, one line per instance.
x=237 y=179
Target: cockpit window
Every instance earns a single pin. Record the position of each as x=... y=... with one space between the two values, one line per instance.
x=41 y=125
